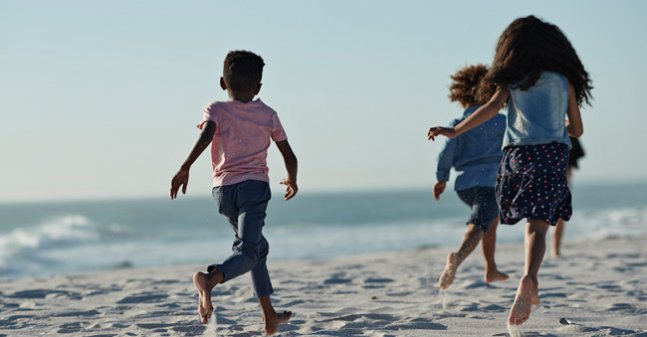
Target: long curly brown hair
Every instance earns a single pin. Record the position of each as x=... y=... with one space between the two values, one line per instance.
x=467 y=87
x=530 y=46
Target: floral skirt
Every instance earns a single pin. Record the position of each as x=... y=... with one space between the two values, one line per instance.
x=531 y=183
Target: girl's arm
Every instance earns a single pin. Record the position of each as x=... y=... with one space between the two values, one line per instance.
x=574 y=126
x=480 y=116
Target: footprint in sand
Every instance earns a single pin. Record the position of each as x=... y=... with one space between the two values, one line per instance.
x=145 y=297
x=337 y=279
x=378 y=280
x=46 y=293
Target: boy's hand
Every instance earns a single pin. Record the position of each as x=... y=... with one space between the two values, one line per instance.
x=439 y=188
x=181 y=178
x=291 y=189
x=440 y=131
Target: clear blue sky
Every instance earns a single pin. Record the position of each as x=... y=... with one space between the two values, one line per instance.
x=101 y=98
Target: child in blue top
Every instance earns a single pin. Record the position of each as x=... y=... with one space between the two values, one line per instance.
x=476 y=155
x=540 y=77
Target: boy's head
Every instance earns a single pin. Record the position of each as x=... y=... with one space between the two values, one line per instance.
x=467 y=88
x=242 y=71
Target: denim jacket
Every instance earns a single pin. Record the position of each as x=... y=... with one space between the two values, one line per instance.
x=537 y=115
x=475 y=154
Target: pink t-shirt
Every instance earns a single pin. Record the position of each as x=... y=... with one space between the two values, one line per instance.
x=243 y=133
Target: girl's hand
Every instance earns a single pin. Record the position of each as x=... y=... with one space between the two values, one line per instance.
x=291 y=189
x=440 y=131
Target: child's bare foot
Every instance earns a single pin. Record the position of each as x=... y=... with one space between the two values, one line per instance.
x=202 y=284
x=447 y=277
x=526 y=296
x=272 y=322
x=494 y=276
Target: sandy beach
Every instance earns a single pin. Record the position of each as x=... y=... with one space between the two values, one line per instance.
x=598 y=289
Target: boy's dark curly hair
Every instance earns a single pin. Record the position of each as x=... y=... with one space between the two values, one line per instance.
x=530 y=46
x=242 y=70
x=467 y=87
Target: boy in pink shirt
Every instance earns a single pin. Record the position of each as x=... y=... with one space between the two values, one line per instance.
x=239 y=131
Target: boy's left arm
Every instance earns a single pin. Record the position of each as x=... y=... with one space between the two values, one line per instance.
x=291 y=166
x=181 y=178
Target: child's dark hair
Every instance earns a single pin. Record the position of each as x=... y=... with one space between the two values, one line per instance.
x=467 y=87
x=242 y=70
x=530 y=46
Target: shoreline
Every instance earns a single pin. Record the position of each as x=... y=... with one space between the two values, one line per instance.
x=600 y=286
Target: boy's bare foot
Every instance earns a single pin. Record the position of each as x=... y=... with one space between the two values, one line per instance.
x=202 y=284
x=494 y=276
x=526 y=296
x=447 y=277
x=272 y=322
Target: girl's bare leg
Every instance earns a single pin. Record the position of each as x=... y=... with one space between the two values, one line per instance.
x=527 y=293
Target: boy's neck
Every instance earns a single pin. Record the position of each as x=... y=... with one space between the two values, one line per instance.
x=241 y=97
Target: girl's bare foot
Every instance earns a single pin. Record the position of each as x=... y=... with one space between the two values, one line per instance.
x=493 y=276
x=202 y=284
x=522 y=306
x=272 y=322
x=447 y=277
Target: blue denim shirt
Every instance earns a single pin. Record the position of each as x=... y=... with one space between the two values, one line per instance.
x=475 y=154
x=537 y=115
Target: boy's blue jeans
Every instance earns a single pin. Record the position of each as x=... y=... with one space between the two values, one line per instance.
x=244 y=205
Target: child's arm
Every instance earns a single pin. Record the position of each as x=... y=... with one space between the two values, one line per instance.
x=439 y=188
x=574 y=126
x=181 y=178
x=291 y=166
x=445 y=163
x=480 y=116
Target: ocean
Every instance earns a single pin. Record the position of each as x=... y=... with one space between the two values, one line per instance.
x=63 y=238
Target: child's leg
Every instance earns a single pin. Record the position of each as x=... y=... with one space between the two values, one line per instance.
x=527 y=293
x=557 y=237
x=492 y=274
x=244 y=205
x=250 y=206
x=470 y=241
x=263 y=289
x=271 y=317
x=561 y=224
x=205 y=282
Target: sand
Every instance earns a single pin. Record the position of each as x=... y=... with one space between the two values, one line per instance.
x=598 y=289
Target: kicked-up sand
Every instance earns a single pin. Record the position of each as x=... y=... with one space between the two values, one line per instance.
x=598 y=288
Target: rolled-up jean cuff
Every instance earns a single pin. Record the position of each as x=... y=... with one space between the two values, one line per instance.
x=213 y=267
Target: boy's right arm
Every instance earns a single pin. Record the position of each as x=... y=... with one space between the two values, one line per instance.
x=181 y=178
x=291 y=166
